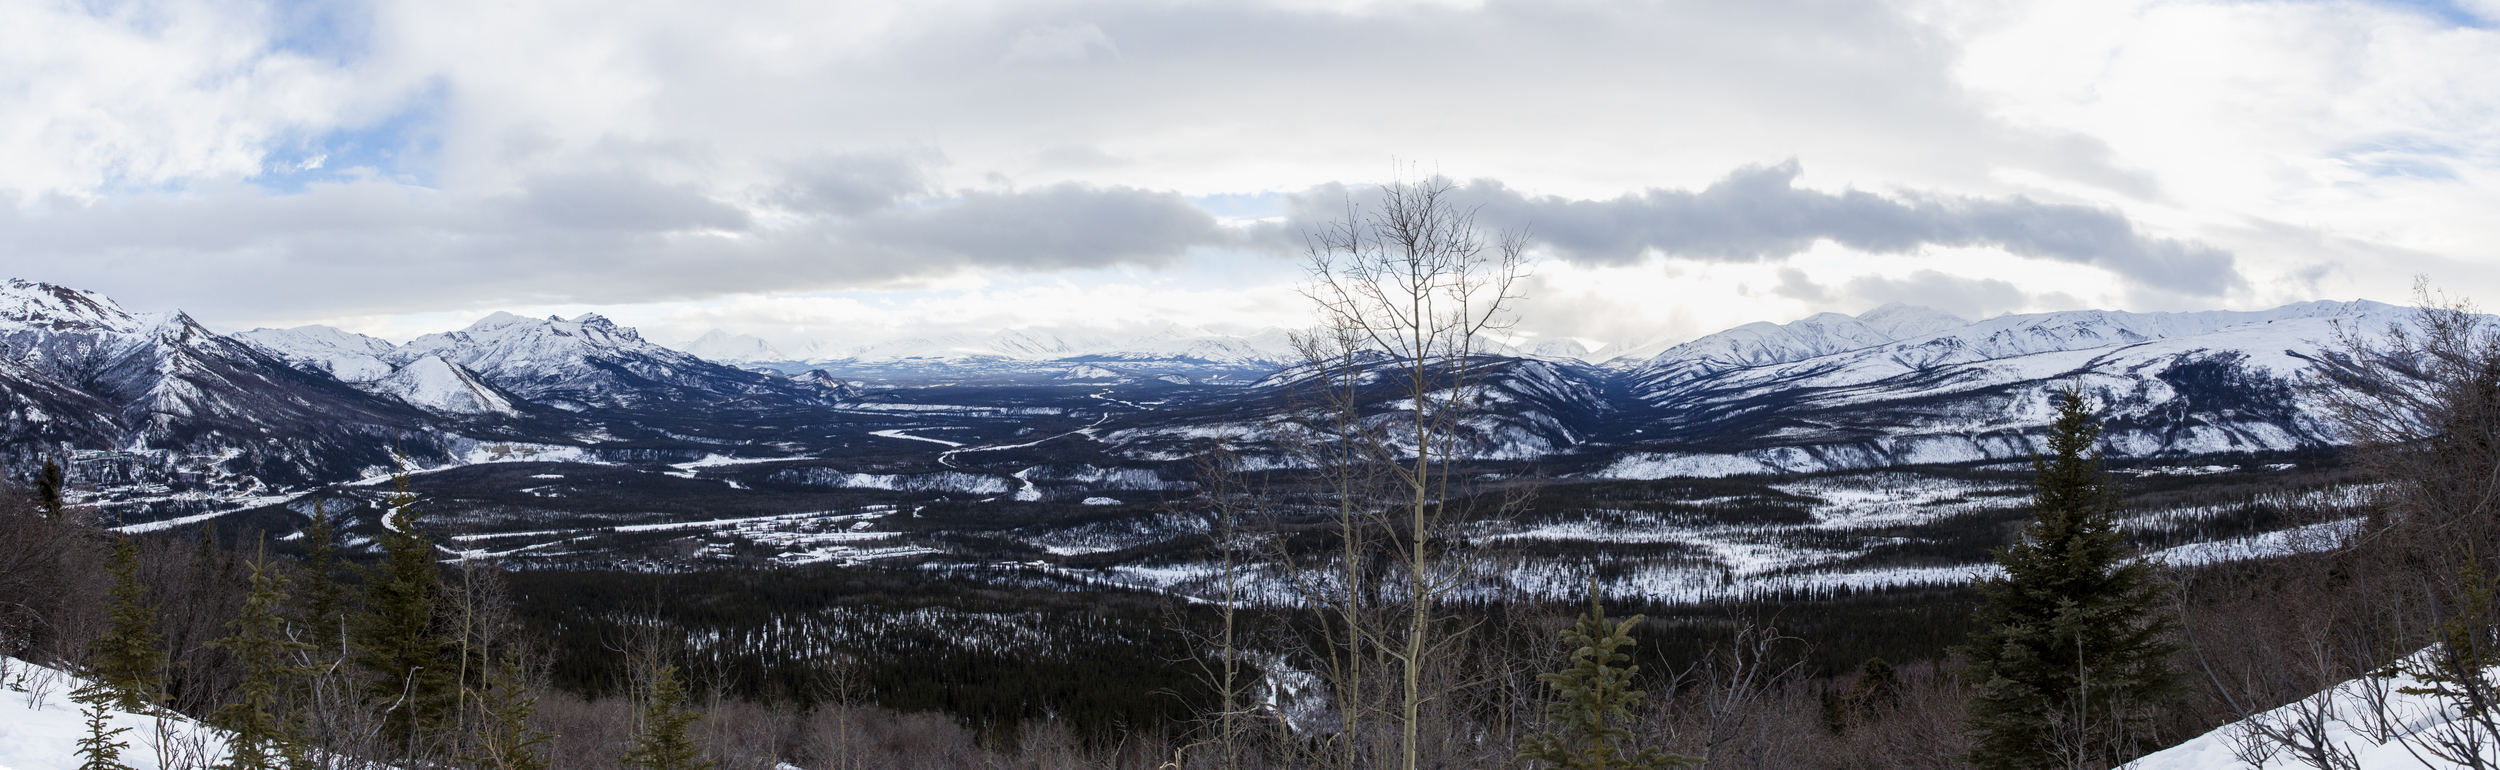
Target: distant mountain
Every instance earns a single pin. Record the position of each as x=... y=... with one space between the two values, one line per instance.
x=723 y=347
x=2168 y=384
x=1565 y=349
x=1529 y=408
x=588 y=362
x=1900 y=385
x=1271 y=348
x=442 y=387
x=1034 y=350
x=82 y=373
x=1896 y=385
x=345 y=355
x=1761 y=343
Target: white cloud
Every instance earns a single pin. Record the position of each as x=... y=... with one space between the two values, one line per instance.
x=443 y=156
x=1060 y=42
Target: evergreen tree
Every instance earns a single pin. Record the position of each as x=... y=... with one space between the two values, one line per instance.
x=98 y=749
x=129 y=657
x=325 y=602
x=2070 y=650
x=262 y=648
x=506 y=741
x=1594 y=699
x=50 y=490
x=667 y=741
x=398 y=639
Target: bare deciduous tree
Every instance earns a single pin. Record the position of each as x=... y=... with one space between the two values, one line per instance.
x=1408 y=292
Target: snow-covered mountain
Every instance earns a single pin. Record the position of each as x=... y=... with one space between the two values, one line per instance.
x=1896 y=385
x=1556 y=350
x=443 y=387
x=80 y=372
x=1763 y=343
x=1270 y=348
x=345 y=355
x=2169 y=384
x=588 y=361
x=1900 y=385
x=1527 y=408
x=1033 y=349
x=723 y=347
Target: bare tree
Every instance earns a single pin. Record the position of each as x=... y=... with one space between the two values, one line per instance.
x=2419 y=402
x=1408 y=291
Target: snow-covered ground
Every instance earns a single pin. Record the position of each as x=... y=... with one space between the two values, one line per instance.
x=40 y=727
x=2364 y=724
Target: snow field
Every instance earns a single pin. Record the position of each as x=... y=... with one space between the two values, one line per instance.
x=40 y=727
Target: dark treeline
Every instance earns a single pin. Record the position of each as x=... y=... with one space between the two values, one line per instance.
x=916 y=667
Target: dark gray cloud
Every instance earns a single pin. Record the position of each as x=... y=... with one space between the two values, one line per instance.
x=622 y=203
x=611 y=237
x=1060 y=226
x=859 y=221
x=855 y=184
x=1759 y=214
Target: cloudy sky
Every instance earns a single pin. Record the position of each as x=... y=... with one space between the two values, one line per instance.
x=857 y=171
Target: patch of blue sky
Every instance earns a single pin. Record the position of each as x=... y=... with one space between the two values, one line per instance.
x=402 y=147
x=2446 y=11
x=2407 y=156
x=336 y=31
x=1242 y=206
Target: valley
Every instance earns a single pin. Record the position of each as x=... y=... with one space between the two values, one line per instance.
x=1833 y=453
x=895 y=523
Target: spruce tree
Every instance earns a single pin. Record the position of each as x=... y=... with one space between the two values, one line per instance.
x=325 y=603
x=505 y=740
x=99 y=749
x=1594 y=700
x=129 y=657
x=50 y=490
x=2070 y=649
x=667 y=741
x=263 y=649
x=398 y=639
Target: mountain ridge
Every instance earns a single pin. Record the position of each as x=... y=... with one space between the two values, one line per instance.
x=1898 y=384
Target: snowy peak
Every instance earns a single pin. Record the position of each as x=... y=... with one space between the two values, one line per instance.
x=346 y=355
x=585 y=361
x=1901 y=322
x=503 y=340
x=46 y=307
x=1559 y=349
x=2020 y=335
x=717 y=345
x=1266 y=347
x=495 y=320
x=1763 y=343
x=442 y=387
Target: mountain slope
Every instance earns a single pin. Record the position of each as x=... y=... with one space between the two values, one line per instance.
x=1524 y=409
x=1762 y=344
x=590 y=362
x=723 y=347
x=345 y=355
x=2169 y=384
x=164 y=382
x=443 y=387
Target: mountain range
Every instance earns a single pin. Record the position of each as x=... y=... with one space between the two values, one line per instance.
x=1895 y=385
x=1174 y=346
